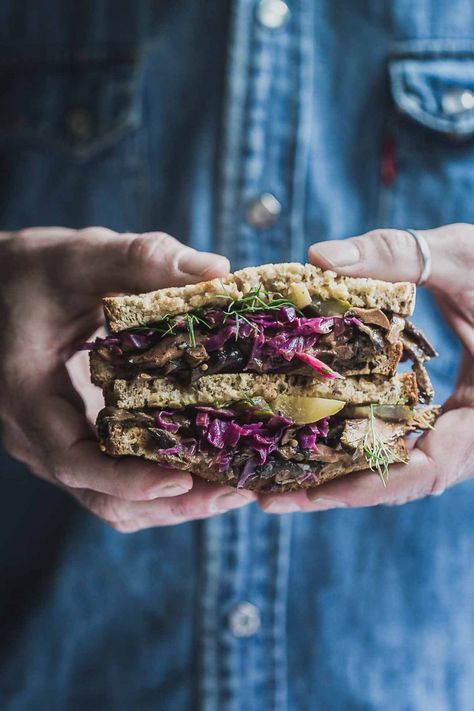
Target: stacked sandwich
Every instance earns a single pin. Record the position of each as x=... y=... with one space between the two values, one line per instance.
x=275 y=378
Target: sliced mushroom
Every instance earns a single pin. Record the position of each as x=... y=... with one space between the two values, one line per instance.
x=420 y=340
x=196 y=355
x=167 y=349
x=396 y=327
x=423 y=381
x=374 y=317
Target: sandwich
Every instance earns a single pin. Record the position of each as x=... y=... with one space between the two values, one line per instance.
x=274 y=378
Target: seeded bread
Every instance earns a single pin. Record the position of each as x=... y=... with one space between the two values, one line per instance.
x=166 y=392
x=124 y=312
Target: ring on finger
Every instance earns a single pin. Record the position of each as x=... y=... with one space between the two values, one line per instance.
x=425 y=254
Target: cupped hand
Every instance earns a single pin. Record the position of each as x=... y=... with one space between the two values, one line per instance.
x=51 y=284
x=441 y=457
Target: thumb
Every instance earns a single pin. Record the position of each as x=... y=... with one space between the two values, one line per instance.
x=108 y=262
x=393 y=255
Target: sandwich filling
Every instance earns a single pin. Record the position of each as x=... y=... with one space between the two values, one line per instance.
x=265 y=333
x=250 y=443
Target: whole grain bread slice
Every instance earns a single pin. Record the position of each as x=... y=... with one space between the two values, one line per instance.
x=123 y=312
x=209 y=390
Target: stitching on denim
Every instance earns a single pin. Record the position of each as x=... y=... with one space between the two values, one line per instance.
x=80 y=153
x=59 y=58
x=303 y=132
x=280 y=665
x=212 y=567
x=234 y=110
x=433 y=47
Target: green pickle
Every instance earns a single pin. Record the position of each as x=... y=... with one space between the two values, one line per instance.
x=304 y=410
x=331 y=307
x=389 y=413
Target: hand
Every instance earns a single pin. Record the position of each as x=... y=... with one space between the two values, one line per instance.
x=441 y=457
x=51 y=284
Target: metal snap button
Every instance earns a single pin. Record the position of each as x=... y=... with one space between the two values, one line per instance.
x=79 y=123
x=263 y=211
x=457 y=101
x=272 y=14
x=244 y=620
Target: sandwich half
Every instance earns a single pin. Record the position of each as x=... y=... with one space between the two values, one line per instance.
x=275 y=378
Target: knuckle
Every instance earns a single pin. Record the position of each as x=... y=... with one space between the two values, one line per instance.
x=145 y=248
x=154 y=247
x=10 y=442
x=12 y=447
x=438 y=484
x=104 y=507
x=24 y=235
x=63 y=475
x=124 y=526
x=94 y=233
x=392 y=243
x=184 y=507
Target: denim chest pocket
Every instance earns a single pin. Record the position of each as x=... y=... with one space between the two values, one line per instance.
x=432 y=126
x=75 y=107
x=436 y=92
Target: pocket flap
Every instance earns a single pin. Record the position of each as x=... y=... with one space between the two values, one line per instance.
x=80 y=107
x=436 y=92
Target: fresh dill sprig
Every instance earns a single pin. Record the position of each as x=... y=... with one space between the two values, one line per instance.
x=258 y=299
x=192 y=320
x=248 y=398
x=378 y=453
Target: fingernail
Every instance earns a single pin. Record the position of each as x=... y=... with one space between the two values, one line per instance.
x=195 y=262
x=324 y=502
x=280 y=507
x=232 y=500
x=340 y=253
x=170 y=490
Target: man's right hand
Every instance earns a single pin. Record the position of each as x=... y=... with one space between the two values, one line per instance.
x=51 y=284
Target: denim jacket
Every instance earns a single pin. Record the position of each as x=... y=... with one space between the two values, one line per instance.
x=179 y=115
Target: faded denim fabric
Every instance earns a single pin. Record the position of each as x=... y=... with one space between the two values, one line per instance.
x=142 y=115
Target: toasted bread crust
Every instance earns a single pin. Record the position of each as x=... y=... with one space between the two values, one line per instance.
x=124 y=312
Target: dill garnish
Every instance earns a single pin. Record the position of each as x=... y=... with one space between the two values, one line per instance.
x=378 y=453
x=255 y=301
x=193 y=319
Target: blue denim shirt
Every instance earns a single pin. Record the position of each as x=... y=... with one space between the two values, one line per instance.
x=142 y=115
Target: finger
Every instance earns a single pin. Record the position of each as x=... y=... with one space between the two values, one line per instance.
x=441 y=458
x=101 y=261
x=65 y=440
x=204 y=500
x=393 y=255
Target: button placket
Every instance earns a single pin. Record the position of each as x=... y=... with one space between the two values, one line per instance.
x=261 y=149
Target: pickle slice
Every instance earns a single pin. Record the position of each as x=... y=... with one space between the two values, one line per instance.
x=299 y=295
x=258 y=406
x=389 y=413
x=331 y=307
x=303 y=410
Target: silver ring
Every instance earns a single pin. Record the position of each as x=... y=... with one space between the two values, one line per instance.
x=425 y=254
